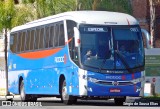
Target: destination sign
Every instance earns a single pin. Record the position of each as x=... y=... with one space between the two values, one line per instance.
x=95 y=29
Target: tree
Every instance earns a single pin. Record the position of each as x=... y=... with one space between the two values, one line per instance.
x=24 y=14
x=105 y=5
x=50 y=7
x=6 y=14
x=11 y=15
x=87 y=4
x=95 y=4
x=116 y=5
x=153 y=4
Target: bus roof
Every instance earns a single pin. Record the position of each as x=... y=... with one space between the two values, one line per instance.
x=86 y=17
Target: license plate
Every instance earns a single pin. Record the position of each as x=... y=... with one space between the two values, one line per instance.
x=114 y=90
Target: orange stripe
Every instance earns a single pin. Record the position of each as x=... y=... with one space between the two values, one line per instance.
x=68 y=41
x=39 y=54
x=128 y=22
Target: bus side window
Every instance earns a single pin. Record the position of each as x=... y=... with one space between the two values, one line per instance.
x=41 y=39
x=70 y=32
x=61 y=35
x=28 y=40
x=19 y=42
x=13 y=42
x=37 y=38
x=56 y=33
x=47 y=35
x=23 y=42
x=32 y=39
x=51 y=38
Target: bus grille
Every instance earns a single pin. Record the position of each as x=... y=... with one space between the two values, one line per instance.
x=115 y=83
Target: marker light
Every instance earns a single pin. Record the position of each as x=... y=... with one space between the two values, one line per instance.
x=78 y=41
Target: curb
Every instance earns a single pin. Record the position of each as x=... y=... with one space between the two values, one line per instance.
x=150 y=99
x=15 y=96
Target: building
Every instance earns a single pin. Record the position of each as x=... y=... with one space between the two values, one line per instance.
x=141 y=11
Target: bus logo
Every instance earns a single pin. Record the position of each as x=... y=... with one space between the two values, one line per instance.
x=65 y=59
x=61 y=59
x=115 y=83
x=113 y=77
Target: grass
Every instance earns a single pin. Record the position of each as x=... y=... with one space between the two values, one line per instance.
x=154 y=97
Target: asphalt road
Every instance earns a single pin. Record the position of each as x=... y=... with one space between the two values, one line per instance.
x=55 y=103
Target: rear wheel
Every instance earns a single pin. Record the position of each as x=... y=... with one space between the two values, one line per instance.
x=32 y=98
x=119 y=101
x=66 y=99
x=23 y=95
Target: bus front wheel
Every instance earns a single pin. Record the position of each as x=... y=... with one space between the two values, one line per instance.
x=119 y=101
x=66 y=99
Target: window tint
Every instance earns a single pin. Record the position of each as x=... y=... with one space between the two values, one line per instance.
x=32 y=39
x=51 y=40
x=47 y=36
x=41 y=39
x=61 y=35
x=37 y=39
x=13 y=42
x=70 y=33
x=23 y=41
x=70 y=26
x=28 y=40
x=56 y=35
x=19 y=42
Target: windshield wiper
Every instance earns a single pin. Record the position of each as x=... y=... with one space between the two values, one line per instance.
x=104 y=61
x=123 y=61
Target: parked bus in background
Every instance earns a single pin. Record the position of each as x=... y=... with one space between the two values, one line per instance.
x=77 y=55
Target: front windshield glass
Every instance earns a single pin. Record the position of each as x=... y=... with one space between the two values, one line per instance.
x=111 y=48
x=128 y=44
x=96 y=46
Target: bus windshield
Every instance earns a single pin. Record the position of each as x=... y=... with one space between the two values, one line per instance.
x=111 y=48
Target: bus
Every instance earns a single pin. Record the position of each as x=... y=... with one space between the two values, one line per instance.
x=77 y=55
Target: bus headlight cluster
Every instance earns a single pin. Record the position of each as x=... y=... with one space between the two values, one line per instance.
x=94 y=80
x=90 y=79
x=135 y=81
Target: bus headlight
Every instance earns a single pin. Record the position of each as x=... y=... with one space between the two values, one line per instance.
x=94 y=80
x=135 y=81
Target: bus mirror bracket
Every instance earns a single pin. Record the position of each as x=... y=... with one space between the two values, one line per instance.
x=147 y=38
x=76 y=36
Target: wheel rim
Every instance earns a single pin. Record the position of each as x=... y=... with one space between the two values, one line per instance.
x=22 y=93
x=64 y=92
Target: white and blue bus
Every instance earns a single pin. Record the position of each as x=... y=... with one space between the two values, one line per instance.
x=79 y=54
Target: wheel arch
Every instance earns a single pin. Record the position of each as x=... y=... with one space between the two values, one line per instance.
x=20 y=80
x=61 y=79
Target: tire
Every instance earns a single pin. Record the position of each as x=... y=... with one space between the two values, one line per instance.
x=119 y=101
x=23 y=95
x=66 y=99
x=33 y=99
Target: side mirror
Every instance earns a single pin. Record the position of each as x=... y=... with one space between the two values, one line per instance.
x=147 y=37
x=77 y=37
